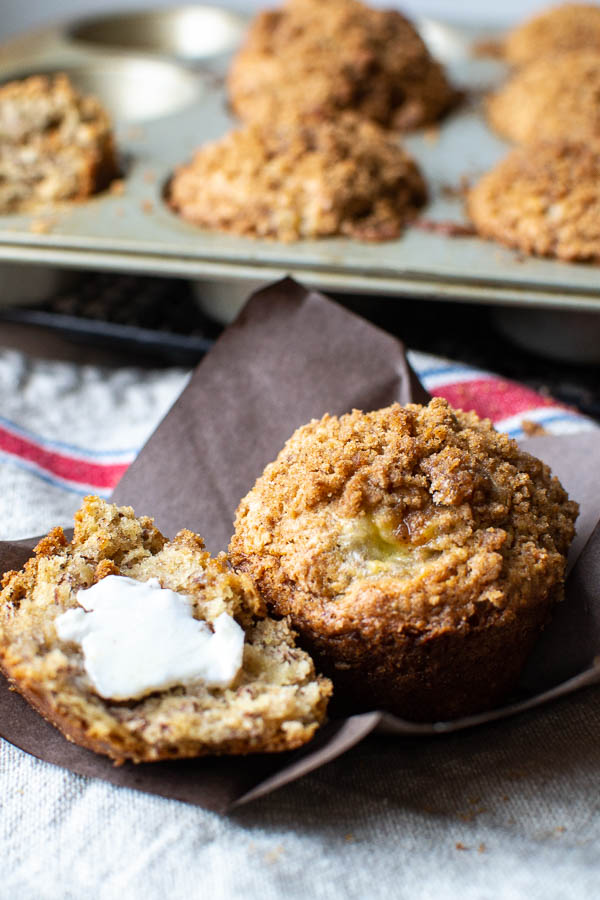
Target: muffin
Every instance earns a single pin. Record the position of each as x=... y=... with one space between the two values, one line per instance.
x=55 y=144
x=553 y=97
x=301 y=179
x=571 y=26
x=103 y=690
x=417 y=552
x=322 y=58
x=543 y=199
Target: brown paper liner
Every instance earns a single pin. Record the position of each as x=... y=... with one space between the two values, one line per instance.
x=293 y=355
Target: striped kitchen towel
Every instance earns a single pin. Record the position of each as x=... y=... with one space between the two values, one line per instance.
x=67 y=430
x=512 y=407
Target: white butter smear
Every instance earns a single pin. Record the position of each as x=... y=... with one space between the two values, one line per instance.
x=137 y=638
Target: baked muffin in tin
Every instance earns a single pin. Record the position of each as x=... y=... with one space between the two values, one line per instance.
x=553 y=97
x=302 y=178
x=543 y=199
x=321 y=58
x=570 y=26
x=56 y=144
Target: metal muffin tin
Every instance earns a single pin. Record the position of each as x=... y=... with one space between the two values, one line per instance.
x=160 y=74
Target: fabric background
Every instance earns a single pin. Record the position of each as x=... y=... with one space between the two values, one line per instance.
x=509 y=810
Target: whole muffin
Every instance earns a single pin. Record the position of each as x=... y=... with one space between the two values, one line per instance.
x=544 y=199
x=321 y=58
x=571 y=26
x=553 y=97
x=417 y=551
x=301 y=179
x=56 y=144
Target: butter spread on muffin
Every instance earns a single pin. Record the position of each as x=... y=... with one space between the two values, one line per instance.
x=417 y=552
x=272 y=701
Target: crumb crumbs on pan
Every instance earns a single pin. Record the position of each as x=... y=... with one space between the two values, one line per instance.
x=117 y=187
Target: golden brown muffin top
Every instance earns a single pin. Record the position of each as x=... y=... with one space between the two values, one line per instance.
x=320 y=58
x=552 y=97
x=571 y=26
x=419 y=516
x=302 y=178
x=543 y=198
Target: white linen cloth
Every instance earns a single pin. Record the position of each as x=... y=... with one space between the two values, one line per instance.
x=507 y=811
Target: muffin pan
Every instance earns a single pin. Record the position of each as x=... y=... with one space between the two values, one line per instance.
x=161 y=74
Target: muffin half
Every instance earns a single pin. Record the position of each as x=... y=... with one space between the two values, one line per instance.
x=122 y=694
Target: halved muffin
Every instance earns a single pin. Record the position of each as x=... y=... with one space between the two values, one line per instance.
x=543 y=199
x=417 y=552
x=315 y=58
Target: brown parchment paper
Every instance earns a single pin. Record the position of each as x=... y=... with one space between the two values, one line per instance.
x=290 y=356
